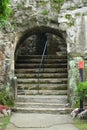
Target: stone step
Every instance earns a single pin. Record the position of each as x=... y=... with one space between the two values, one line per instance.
x=46 y=70
x=22 y=61
x=45 y=80
x=62 y=65
x=39 y=105
x=60 y=99
x=59 y=55
x=42 y=75
x=42 y=86
x=42 y=92
x=43 y=110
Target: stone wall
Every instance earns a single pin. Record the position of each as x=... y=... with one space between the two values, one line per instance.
x=71 y=18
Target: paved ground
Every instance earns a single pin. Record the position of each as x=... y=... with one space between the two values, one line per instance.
x=40 y=122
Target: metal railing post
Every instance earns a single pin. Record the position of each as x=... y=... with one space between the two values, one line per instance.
x=41 y=64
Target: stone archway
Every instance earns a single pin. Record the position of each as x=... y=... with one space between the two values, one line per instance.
x=28 y=53
x=41 y=29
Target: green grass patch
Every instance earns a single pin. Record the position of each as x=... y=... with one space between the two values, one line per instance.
x=4 y=121
x=81 y=124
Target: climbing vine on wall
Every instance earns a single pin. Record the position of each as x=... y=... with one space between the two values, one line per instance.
x=5 y=11
x=56 y=4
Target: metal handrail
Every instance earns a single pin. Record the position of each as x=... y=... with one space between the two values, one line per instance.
x=41 y=64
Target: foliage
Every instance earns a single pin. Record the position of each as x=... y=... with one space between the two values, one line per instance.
x=59 y=1
x=6 y=97
x=73 y=7
x=82 y=90
x=68 y=16
x=4 y=122
x=81 y=124
x=78 y=14
x=56 y=4
x=5 y=12
x=42 y=3
x=84 y=1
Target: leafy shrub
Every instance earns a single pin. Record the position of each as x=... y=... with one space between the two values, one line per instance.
x=6 y=98
x=82 y=90
x=5 y=12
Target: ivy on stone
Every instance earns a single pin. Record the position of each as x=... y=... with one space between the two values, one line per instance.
x=59 y=1
x=56 y=4
x=5 y=11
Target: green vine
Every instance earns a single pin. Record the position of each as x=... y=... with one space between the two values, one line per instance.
x=56 y=4
x=5 y=12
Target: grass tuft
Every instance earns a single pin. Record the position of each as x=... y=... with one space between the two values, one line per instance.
x=4 y=121
x=81 y=124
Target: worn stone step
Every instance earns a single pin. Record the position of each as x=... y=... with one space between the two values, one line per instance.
x=42 y=86
x=43 y=110
x=42 y=92
x=62 y=65
x=60 y=99
x=22 y=61
x=46 y=70
x=45 y=80
x=39 y=105
x=42 y=75
x=59 y=55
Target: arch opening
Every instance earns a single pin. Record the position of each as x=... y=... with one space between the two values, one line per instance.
x=33 y=41
x=28 y=55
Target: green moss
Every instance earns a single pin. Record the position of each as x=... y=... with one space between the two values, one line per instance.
x=56 y=5
x=42 y=3
x=84 y=14
x=84 y=1
x=59 y=1
x=45 y=12
x=68 y=16
x=71 y=23
x=73 y=7
x=78 y=14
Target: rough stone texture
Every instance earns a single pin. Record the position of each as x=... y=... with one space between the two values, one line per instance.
x=73 y=78
x=83 y=115
x=29 y=14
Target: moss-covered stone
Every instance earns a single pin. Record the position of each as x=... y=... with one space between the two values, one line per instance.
x=45 y=12
x=68 y=16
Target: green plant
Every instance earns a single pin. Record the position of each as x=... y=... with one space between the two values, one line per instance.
x=6 y=98
x=80 y=124
x=68 y=16
x=4 y=122
x=45 y=12
x=82 y=90
x=84 y=1
x=78 y=14
x=59 y=1
x=42 y=3
x=73 y=7
x=57 y=4
x=5 y=12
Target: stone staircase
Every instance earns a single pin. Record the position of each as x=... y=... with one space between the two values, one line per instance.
x=50 y=95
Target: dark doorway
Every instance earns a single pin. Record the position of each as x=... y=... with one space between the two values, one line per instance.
x=53 y=74
x=41 y=40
